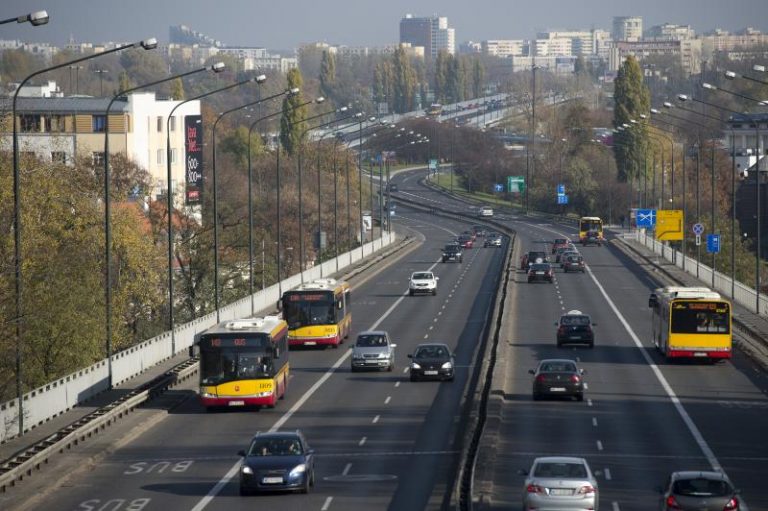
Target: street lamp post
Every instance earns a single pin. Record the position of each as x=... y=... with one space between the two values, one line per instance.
x=147 y=44
x=101 y=72
x=108 y=205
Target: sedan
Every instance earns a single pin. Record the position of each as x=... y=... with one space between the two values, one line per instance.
x=277 y=461
x=432 y=361
x=542 y=272
x=373 y=350
x=558 y=377
x=559 y=482
x=699 y=491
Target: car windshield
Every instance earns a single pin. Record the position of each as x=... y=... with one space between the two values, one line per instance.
x=701 y=487
x=431 y=352
x=451 y=248
x=370 y=340
x=574 y=320
x=539 y=267
x=560 y=241
x=558 y=367
x=422 y=276
x=275 y=447
x=575 y=259
x=560 y=470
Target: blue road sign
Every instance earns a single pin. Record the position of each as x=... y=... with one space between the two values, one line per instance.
x=561 y=189
x=646 y=218
x=698 y=229
x=498 y=187
x=713 y=243
x=562 y=199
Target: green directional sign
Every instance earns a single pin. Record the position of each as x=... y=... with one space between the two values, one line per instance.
x=516 y=184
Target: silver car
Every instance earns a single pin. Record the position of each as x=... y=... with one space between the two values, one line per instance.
x=373 y=350
x=561 y=483
x=699 y=491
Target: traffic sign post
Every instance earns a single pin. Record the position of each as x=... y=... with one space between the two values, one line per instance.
x=669 y=225
x=516 y=184
x=713 y=243
x=646 y=218
x=698 y=229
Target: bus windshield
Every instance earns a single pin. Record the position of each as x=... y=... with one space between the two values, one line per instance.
x=315 y=309
x=591 y=225
x=696 y=317
x=223 y=365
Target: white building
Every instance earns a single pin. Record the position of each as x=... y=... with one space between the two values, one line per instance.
x=432 y=33
x=505 y=47
x=627 y=28
x=670 y=31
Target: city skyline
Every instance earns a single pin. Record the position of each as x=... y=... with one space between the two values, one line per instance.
x=257 y=24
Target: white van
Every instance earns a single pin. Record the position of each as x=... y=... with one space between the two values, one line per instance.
x=486 y=211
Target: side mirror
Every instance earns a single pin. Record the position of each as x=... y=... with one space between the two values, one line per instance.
x=594 y=324
x=410 y=356
x=310 y=451
x=279 y=305
x=597 y=473
x=241 y=453
x=437 y=278
x=531 y=371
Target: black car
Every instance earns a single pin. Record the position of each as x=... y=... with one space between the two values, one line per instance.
x=575 y=327
x=540 y=272
x=557 y=377
x=452 y=252
x=432 y=361
x=277 y=461
x=393 y=187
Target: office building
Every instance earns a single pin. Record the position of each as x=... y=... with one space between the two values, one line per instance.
x=431 y=33
x=627 y=28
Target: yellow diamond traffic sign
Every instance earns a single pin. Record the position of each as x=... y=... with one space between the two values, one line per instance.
x=669 y=224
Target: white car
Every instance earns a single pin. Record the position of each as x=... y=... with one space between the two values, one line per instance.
x=560 y=482
x=422 y=282
x=486 y=211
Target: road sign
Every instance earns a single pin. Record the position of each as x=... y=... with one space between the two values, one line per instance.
x=562 y=199
x=516 y=184
x=646 y=218
x=561 y=189
x=669 y=224
x=698 y=240
x=698 y=229
x=433 y=164
x=498 y=187
x=713 y=243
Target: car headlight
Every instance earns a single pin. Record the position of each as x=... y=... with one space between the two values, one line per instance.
x=384 y=355
x=414 y=365
x=447 y=365
x=247 y=470
x=298 y=470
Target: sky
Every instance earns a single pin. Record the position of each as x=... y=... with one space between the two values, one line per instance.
x=286 y=24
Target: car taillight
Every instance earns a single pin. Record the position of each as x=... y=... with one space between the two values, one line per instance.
x=534 y=488
x=732 y=505
x=586 y=490
x=672 y=503
x=575 y=378
x=540 y=378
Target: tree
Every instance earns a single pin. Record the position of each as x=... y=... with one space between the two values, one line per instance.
x=404 y=82
x=177 y=90
x=478 y=78
x=328 y=74
x=293 y=114
x=441 y=76
x=632 y=99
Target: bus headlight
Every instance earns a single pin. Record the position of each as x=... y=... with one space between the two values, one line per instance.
x=203 y=393
x=266 y=393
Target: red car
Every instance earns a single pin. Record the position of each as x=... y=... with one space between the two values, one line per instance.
x=560 y=242
x=466 y=241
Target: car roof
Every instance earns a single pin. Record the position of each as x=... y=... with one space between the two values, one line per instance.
x=422 y=271
x=574 y=312
x=557 y=361
x=277 y=434
x=560 y=459
x=426 y=344
x=372 y=332
x=696 y=474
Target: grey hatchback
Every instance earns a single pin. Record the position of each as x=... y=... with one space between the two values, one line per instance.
x=373 y=349
x=699 y=491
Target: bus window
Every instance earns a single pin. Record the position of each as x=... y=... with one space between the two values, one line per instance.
x=303 y=313
x=700 y=318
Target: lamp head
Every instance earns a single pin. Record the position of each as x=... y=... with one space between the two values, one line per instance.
x=218 y=67
x=294 y=91
x=730 y=75
x=643 y=116
x=260 y=79
x=37 y=18
x=759 y=68
x=148 y=44
x=667 y=104
x=683 y=97
x=708 y=86
x=342 y=109
x=655 y=111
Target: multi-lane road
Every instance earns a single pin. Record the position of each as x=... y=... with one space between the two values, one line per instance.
x=383 y=442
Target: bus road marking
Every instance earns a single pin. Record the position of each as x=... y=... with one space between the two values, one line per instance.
x=376 y=419
x=349 y=466
x=362 y=441
x=327 y=504
x=607 y=472
x=386 y=401
x=397 y=383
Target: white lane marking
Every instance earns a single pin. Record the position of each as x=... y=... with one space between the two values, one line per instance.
x=376 y=419
x=405 y=370
x=386 y=401
x=594 y=421
x=607 y=472
x=434 y=320
x=347 y=467
x=362 y=441
x=586 y=386
x=615 y=506
x=599 y=445
x=426 y=336
x=203 y=502
x=589 y=402
x=327 y=504
x=397 y=383
x=432 y=326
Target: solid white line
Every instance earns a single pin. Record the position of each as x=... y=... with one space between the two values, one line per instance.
x=386 y=401
x=594 y=421
x=376 y=419
x=327 y=504
x=362 y=441
x=349 y=466
x=607 y=472
x=589 y=402
x=599 y=445
x=615 y=506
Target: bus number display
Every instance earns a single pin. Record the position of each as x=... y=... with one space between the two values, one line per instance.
x=233 y=342
x=308 y=297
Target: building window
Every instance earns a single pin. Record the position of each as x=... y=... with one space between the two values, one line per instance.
x=30 y=123
x=98 y=158
x=160 y=156
x=173 y=123
x=159 y=124
x=174 y=153
x=54 y=124
x=99 y=123
x=58 y=157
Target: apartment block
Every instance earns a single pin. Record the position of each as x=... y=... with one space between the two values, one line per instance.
x=431 y=33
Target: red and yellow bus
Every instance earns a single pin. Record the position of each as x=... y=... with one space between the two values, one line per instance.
x=691 y=322
x=318 y=313
x=591 y=230
x=244 y=362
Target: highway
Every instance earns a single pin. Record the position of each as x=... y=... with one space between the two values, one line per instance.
x=385 y=443
x=382 y=442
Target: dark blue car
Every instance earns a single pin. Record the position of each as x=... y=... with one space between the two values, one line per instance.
x=277 y=461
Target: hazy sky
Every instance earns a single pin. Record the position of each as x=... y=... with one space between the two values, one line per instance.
x=285 y=24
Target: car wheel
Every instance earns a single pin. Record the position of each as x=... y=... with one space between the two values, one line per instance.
x=353 y=369
x=559 y=344
x=591 y=344
x=414 y=377
x=580 y=396
x=305 y=488
x=434 y=292
x=391 y=367
x=536 y=396
x=410 y=292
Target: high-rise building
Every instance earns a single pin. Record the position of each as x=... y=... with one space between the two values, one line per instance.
x=432 y=33
x=670 y=31
x=627 y=28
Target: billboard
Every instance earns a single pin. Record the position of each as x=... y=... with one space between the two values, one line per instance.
x=193 y=160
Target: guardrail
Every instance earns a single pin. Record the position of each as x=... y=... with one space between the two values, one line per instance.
x=59 y=396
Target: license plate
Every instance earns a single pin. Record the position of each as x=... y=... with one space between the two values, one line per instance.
x=574 y=337
x=557 y=389
x=310 y=343
x=272 y=480
x=430 y=373
x=560 y=491
x=539 y=273
x=699 y=354
x=236 y=403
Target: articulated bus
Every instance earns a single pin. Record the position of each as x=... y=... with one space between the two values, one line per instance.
x=318 y=313
x=591 y=230
x=244 y=362
x=691 y=322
